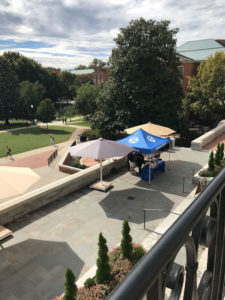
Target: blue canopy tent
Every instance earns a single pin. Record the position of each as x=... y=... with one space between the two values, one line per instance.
x=145 y=142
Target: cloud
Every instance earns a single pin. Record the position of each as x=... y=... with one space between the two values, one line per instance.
x=66 y=33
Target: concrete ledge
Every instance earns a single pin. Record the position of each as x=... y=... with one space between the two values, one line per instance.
x=29 y=202
x=197 y=177
x=206 y=138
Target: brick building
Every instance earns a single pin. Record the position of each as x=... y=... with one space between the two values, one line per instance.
x=98 y=74
x=192 y=53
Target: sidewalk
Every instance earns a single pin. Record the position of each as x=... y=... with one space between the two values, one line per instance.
x=37 y=158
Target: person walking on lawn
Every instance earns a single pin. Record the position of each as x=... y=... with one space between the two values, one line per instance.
x=8 y=152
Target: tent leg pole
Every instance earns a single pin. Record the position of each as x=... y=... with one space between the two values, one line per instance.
x=149 y=168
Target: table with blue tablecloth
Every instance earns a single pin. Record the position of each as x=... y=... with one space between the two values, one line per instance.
x=160 y=165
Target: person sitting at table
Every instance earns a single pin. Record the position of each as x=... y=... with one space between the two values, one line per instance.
x=139 y=161
x=156 y=155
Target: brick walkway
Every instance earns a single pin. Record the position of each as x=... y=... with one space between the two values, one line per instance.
x=34 y=161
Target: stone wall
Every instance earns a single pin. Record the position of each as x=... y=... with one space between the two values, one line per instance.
x=27 y=203
x=206 y=138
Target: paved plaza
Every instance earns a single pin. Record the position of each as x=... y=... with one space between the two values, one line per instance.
x=65 y=233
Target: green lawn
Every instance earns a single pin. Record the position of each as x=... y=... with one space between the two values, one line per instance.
x=79 y=122
x=68 y=118
x=32 y=138
x=13 y=124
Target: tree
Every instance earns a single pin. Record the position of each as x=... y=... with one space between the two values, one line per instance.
x=8 y=90
x=70 y=286
x=103 y=267
x=81 y=67
x=211 y=162
x=222 y=151
x=67 y=81
x=218 y=155
x=97 y=63
x=46 y=111
x=144 y=83
x=85 y=102
x=206 y=98
x=80 y=80
x=31 y=95
x=126 y=242
x=28 y=69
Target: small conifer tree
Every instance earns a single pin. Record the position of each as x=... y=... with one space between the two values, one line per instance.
x=211 y=162
x=221 y=151
x=70 y=286
x=218 y=155
x=126 y=242
x=103 y=266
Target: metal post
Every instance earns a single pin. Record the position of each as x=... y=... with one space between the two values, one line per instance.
x=101 y=171
x=144 y=218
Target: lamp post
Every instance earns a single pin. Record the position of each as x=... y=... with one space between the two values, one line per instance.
x=32 y=110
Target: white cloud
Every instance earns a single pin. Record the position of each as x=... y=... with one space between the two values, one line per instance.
x=86 y=28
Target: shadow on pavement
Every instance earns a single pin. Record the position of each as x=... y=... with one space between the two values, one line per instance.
x=35 y=269
x=129 y=203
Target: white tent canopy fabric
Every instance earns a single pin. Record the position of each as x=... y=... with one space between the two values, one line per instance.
x=15 y=180
x=154 y=129
x=100 y=149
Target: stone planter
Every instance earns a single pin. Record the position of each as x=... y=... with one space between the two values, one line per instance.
x=197 y=177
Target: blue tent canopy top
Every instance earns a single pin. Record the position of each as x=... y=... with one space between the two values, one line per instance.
x=145 y=142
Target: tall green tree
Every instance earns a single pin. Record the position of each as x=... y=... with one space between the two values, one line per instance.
x=126 y=242
x=85 y=102
x=144 y=80
x=103 y=266
x=28 y=69
x=8 y=90
x=81 y=67
x=31 y=94
x=46 y=111
x=97 y=63
x=70 y=286
x=205 y=101
x=67 y=82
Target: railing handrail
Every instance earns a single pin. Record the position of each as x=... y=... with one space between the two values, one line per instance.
x=52 y=156
x=155 y=261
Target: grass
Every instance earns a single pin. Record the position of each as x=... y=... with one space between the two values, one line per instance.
x=67 y=117
x=32 y=138
x=13 y=124
x=80 y=122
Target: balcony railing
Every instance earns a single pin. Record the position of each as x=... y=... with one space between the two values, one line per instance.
x=201 y=224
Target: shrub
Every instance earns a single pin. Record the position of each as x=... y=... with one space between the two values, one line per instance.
x=211 y=162
x=221 y=151
x=97 y=292
x=70 y=286
x=138 y=253
x=126 y=242
x=103 y=266
x=208 y=173
x=218 y=155
x=89 y=283
x=76 y=164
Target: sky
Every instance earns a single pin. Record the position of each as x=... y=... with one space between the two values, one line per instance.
x=65 y=33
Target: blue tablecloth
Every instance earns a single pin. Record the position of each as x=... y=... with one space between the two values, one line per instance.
x=145 y=171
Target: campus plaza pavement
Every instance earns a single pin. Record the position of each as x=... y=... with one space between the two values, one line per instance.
x=64 y=234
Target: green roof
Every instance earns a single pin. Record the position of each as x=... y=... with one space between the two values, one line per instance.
x=199 y=50
x=82 y=72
